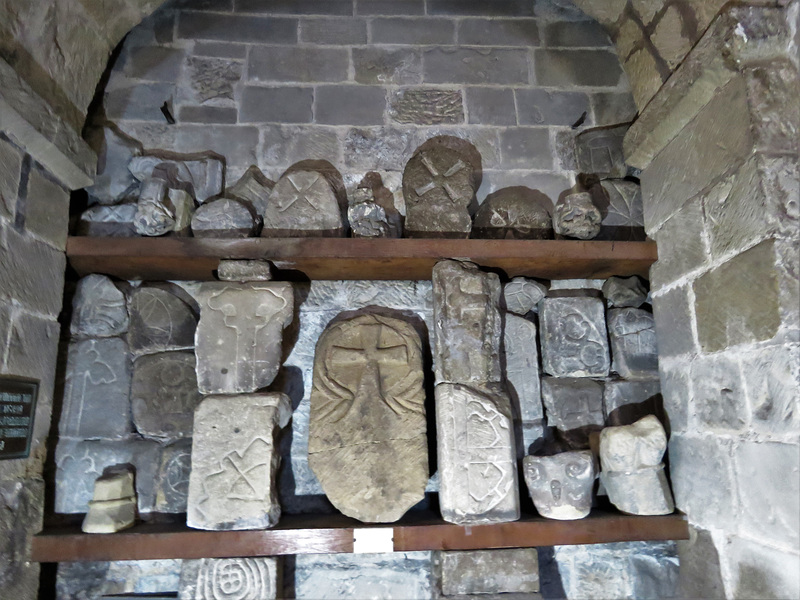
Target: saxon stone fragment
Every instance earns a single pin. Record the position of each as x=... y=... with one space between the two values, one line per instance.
x=108 y=221
x=625 y=402
x=514 y=213
x=368 y=220
x=253 y=187
x=244 y=270
x=113 y=180
x=164 y=395
x=303 y=204
x=522 y=367
x=624 y=292
x=573 y=337
x=367 y=440
x=238 y=339
x=522 y=295
x=172 y=482
x=159 y=321
x=468 y=151
x=574 y=406
x=632 y=471
x=371 y=189
x=113 y=506
x=182 y=205
x=512 y=571
x=633 y=343
x=599 y=152
x=426 y=106
x=153 y=216
x=235 y=461
x=98 y=308
x=620 y=203
x=224 y=218
x=98 y=381
x=229 y=578
x=561 y=485
x=576 y=216
x=204 y=172
x=467 y=324
x=477 y=457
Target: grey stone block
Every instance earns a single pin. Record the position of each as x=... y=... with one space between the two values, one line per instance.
x=625 y=402
x=634 y=352
x=499 y=8
x=236 y=28
x=599 y=152
x=390 y=7
x=47 y=209
x=277 y=105
x=772 y=380
x=10 y=168
x=81 y=581
x=220 y=50
x=573 y=337
x=565 y=68
x=491 y=106
x=387 y=66
x=498 y=32
x=414 y=31
x=375 y=148
x=159 y=320
x=611 y=108
x=574 y=406
x=550 y=107
x=290 y=63
x=522 y=367
x=285 y=145
x=719 y=394
x=682 y=244
x=339 y=32
x=296 y=7
x=154 y=63
x=114 y=151
x=700 y=573
x=576 y=33
x=761 y=571
x=676 y=392
x=21 y=512
x=475 y=66
x=673 y=314
x=207 y=114
x=526 y=148
x=41 y=291
x=211 y=79
x=513 y=570
x=142 y=101
x=211 y=578
x=426 y=106
x=350 y=105
x=172 y=483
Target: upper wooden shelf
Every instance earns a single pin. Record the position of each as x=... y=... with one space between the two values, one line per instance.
x=334 y=534
x=344 y=258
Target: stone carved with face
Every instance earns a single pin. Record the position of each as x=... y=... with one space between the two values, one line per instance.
x=561 y=485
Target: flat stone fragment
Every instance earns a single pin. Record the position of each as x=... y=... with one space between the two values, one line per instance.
x=577 y=216
x=372 y=192
x=522 y=367
x=633 y=343
x=513 y=570
x=98 y=308
x=624 y=292
x=253 y=187
x=113 y=506
x=303 y=204
x=229 y=578
x=368 y=220
x=514 y=213
x=573 y=337
x=98 y=381
x=599 y=152
x=427 y=106
x=172 y=483
x=367 y=440
x=625 y=402
x=632 y=471
x=224 y=218
x=467 y=324
x=164 y=395
x=238 y=341
x=561 y=485
x=204 y=173
x=522 y=295
x=620 y=202
x=438 y=188
x=108 y=221
x=243 y=271
x=235 y=462
x=113 y=180
x=477 y=458
x=159 y=321
x=574 y=406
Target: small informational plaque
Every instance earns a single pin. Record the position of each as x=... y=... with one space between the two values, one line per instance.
x=17 y=409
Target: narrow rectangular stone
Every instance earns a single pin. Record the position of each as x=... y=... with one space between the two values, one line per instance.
x=426 y=106
x=172 y=482
x=675 y=377
x=526 y=148
x=522 y=367
x=47 y=209
x=296 y=7
x=236 y=28
x=674 y=316
x=414 y=31
x=211 y=578
x=574 y=406
x=514 y=570
x=566 y=68
x=207 y=114
x=549 y=107
x=10 y=169
x=340 y=32
x=139 y=102
x=719 y=399
x=288 y=63
x=573 y=336
x=682 y=245
x=498 y=32
x=390 y=7
x=599 y=152
x=582 y=34
x=154 y=63
x=277 y=105
x=634 y=351
x=495 y=8
x=350 y=105
x=491 y=106
x=387 y=65
x=220 y=50
x=475 y=66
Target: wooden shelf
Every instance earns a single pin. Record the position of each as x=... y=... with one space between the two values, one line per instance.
x=342 y=258
x=332 y=534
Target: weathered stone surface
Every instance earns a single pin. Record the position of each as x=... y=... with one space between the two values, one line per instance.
x=438 y=190
x=212 y=78
x=98 y=308
x=514 y=213
x=224 y=218
x=367 y=443
x=113 y=506
x=467 y=324
x=204 y=172
x=620 y=203
x=238 y=338
x=625 y=402
x=172 y=483
x=577 y=216
x=21 y=508
x=700 y=574
x=772 y=380
x=368 y=220
x=235 y=461
x=522 y=295
x=154 y=216
x=561 y=485
x=762 y=571
x=634 y=352
x=164 y=395
x=514 y=570
x=599 y=152
x=108 y=221
x=574 y=406
x=426 y=106
x=573 y=337
x=114 y=149
x=623 y=292
x=96 y=390
x=633 y=473
x=477 y=457
x=241 y=578
x=674 y=320
x=88 y=580
x=159 y=320
x=522 y=367
x=244 y=270
x=301 y=204
x=253 y=187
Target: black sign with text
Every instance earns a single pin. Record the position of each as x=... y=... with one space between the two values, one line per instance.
x=17 y=409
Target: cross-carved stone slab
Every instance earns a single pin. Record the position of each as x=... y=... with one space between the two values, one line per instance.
x=303 y=204
x=367 y=442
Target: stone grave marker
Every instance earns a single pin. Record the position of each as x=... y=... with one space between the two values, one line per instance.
x=172 y=483
x=633 y=343
x=98 y=308
x=599 y=152
x=159 y=321
x=573 y=337
x=229 y=579
x=514 y=213
x=522 y=367
x=303 y=204
x=224 y=218
x=522 y=295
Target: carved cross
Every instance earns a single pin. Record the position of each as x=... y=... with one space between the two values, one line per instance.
x=302 y=191
x=370 y=354
x=440 y=179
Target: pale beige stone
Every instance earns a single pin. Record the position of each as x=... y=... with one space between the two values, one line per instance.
x=113 y=507
x=630 y=37
x=668 y=38
x=643 y=75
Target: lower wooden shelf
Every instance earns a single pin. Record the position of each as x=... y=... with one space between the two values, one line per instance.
x=333 y=534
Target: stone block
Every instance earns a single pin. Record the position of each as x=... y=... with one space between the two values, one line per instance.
x=10 y=169
x=496 y=8
x=269 y=64
x=159 y=320
x=235 y=462
x=244 y=270
x=669 y=39
x=761 y=571
x=622 y=292
x=390 y=7
x=21 y=515
x=207 y=114
x=582 y=34
x=475 y=66
x=107 y=221
x=338 y=32
x=599 y=152
x=307 y=201
x=98 y=308
x=172 y=483
x=675 y=376
x=772 y=380
x=526 y=148
x=426 y=106
x=212 y=578
x=643 y=75
x=350 y=105
x=561 y=485
x=719 y=394
x=682 y=245
x=96 y=391
x=522 y=295
x=225 y=218
x=220 y=50
x=498 y=32
x=285 y=145
x=574 y=406
x=80 y=580
x=423 y=31
x=514 y=213
x=142 y=101
x=634 y=351
x=154 y=63
x=566 y=68
x=236 y=28
x=253 y=187
x=621 y=206
x=700 y=573
x=84 y=580
x=297 y=7
x=514 y=570
x=522 y=367
x=625 y=402
x=491 y=106
x=399 y=66
x=573 y=337
x=550 y=107
x=211 y=79
x=674 y=317
x=611 y=108
x=276 y=104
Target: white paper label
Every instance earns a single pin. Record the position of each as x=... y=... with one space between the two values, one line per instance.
x=374 y=540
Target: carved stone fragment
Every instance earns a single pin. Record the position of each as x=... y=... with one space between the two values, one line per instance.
x=235 y=461
x=625 y=402
x=164 y=395
x=229 y=579
x=467 y=324
x=172 y=482
x=98 y=308
x=205 y=172
x=561 y=485
x=224 y=218
x=514 y=213
x=577 y=216
x=574 y=406
x=633 y=343
x=367 y=443
x=522 y=295
x=368 y=220
x=599 y=152
x=573 y=336
x=633 y=473
x=244 y=270
x=522 y=367
x=238 y=339
x=624 y=292
x=153 y=215
x=159 y=321
x=303 y=204
x=477 y=459
x=471 y=573
x=380 y=217
x=620 y=202
x=108 y=221
x=253 y=187
x=113 y=507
